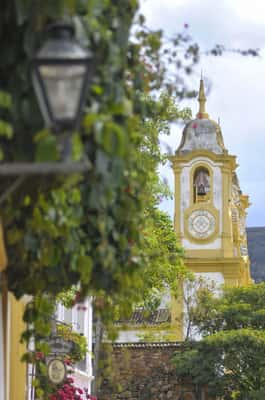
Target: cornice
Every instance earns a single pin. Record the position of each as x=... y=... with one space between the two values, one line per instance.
x=226 y=158
x=231 y=268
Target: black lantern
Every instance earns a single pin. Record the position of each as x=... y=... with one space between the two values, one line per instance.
x=61 y=71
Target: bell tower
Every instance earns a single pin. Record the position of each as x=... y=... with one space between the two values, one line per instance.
x=210 y=209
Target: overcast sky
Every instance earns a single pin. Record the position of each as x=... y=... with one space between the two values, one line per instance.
x=237 y=93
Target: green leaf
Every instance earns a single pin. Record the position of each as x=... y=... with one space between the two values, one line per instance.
x=89 y=121
x=5 y=100
x=43 y=369
x=14 y=236
x=77 y=147
x=44 y=348
x=46 y=149
x=98 y=90
x=84 y=266
x=39 y=392
x=6 y=129
x=113 y=139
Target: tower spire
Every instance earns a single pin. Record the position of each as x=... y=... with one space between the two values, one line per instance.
x=202 y=114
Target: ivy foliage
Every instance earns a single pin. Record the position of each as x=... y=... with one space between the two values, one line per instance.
x=87 y=229
x=61 y=231
x=39 y=314
x=230 y=357
x=80 y=344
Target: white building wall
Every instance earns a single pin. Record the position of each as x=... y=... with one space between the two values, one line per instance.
x=216 y=277
x=80 y=316
x=215 y=281
x=129 y=336
x=185 y=195
x=216 y=244
x=83 y=319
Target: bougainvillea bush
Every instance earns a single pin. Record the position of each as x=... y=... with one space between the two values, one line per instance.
x=69 y=391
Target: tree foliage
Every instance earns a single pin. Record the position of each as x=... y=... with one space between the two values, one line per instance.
x=195 y=293
x=230 y=357
x=85 y=230
x=164 y=266
x=162 y=269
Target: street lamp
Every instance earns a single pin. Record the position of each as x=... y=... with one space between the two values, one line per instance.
x=61 y=72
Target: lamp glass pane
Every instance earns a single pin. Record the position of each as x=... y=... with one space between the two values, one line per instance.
x=63 y=86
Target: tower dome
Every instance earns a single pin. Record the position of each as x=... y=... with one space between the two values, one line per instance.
x=202 y=133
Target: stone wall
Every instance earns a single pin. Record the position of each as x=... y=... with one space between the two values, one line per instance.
x=143 y=371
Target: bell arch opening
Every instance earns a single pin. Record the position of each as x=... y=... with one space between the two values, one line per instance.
x=201 y=185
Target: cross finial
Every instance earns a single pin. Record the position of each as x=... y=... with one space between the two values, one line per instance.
x=202 y=114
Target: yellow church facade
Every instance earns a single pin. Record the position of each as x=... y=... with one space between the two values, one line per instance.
x=13 y=377
x=210 y=209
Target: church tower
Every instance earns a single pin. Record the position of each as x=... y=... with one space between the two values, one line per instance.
x=210 y=209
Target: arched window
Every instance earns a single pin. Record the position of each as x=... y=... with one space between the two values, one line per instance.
x=201 y=185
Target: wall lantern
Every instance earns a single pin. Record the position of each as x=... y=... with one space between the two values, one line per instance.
x=61 y=72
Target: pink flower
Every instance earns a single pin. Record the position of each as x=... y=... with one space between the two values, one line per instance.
x=82 y=308
x=77 y=298
x=194 y=126
x=39 y=355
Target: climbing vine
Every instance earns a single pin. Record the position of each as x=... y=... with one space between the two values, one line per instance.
x=38 y=315
x=85 y=229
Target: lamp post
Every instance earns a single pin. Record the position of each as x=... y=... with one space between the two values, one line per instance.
x=61 y=71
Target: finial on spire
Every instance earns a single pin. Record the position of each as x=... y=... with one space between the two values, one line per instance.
x=202 y=114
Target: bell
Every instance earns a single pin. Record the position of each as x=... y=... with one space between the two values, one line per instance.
x=201 y=190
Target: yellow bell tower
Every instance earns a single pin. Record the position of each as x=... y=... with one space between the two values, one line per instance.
x=210 y=209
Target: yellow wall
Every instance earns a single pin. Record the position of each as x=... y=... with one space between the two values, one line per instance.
x=15 y=370
x=3 y=299
x=3 y=260
x=234 y=268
